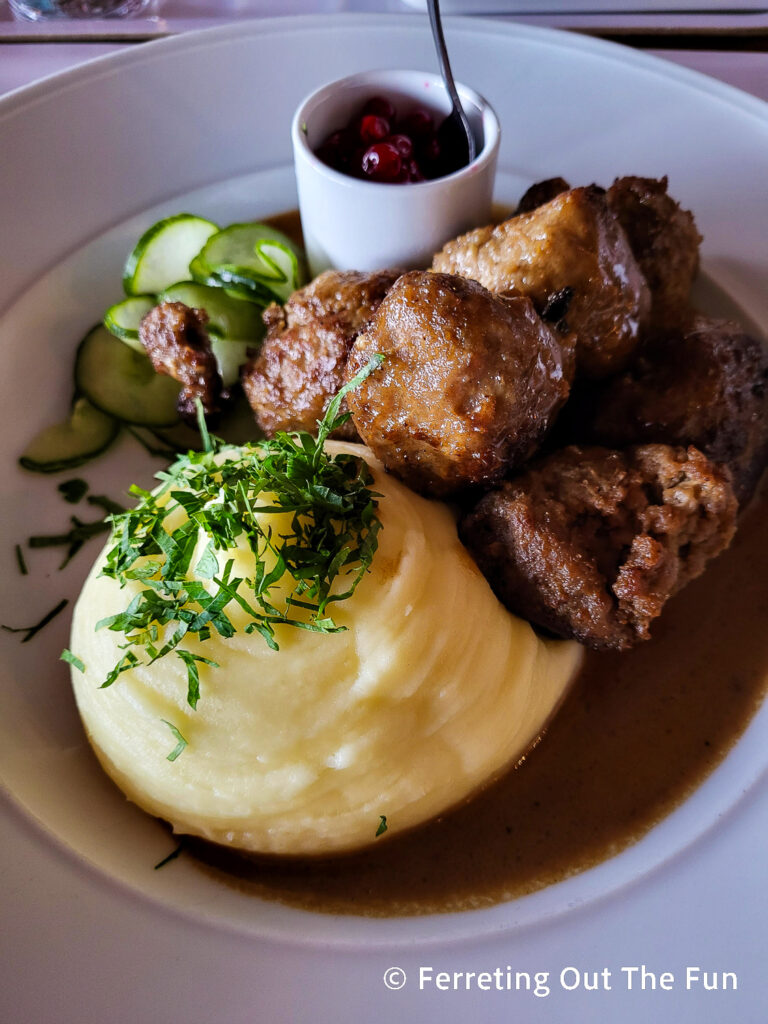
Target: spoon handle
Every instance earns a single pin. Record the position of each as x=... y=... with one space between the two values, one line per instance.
x=445 y=68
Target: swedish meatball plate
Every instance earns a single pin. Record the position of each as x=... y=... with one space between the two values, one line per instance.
x=201 y=123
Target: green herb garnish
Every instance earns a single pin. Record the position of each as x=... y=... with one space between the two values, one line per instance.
x=73 y=540
x=166 y=449
x=112 y=508
x=212 y=500
x=73 y=490
x=72 y=659
x=193 y=675
x=171 y=856
x=80 y=532
x=31 y=631
x=181 y=744
x=20 y=561
x=382 y=825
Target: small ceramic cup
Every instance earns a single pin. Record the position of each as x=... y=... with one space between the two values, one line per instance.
x=353 y=224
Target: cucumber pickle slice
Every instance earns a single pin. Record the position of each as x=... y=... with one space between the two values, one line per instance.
x=163 y=253
x=124 y=317
x=84 y=434
x=227 y=317
x=123 y=383
x=254 y=257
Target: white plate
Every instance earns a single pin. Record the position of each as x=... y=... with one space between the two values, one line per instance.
x=201 y=122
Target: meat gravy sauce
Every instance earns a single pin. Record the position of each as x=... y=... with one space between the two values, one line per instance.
x=638 y=732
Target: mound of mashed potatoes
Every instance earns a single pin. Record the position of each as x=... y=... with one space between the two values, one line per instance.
x=431 y=691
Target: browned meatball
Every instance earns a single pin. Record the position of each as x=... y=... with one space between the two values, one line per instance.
x=541 y=192
x=469 y=385
x=301 y=364
x=572 y=242
x=177 y=343
x=705 y=386
x=589 y=543
x=665 y=242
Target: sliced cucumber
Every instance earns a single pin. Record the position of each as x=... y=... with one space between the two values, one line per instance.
x=244 y=287
x=230 y=356
x=198 y=273
x=254 y=254
x=124 y=317
x=123 y=383
x=249 y=292
x=163 y=253
x=86 y=433
x=227 y=317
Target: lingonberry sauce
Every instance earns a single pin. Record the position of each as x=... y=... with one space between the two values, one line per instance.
x=379 y=146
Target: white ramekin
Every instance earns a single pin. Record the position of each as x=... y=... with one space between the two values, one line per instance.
x=352 y=224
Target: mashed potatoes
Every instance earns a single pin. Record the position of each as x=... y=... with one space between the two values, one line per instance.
x=431 y=691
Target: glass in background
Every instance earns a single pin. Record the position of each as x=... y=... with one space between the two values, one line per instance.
x=257 y=8
x=41 y=10
x=583 y=7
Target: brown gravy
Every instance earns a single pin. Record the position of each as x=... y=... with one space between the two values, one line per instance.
x=637 y=734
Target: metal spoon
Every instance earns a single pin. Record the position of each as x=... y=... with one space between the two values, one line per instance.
x=457 y=143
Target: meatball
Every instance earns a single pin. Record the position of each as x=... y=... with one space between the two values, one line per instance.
x=177 y=343
x=541 y=192
x=571 y=242
x=301 y=364
x=706 y=386
x=469 y=385
x=665 y=242
x=589 y=543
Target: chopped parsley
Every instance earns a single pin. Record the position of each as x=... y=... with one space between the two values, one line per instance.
x=171 y=856
x=80 y=531
x=181 y=742
x=212 y=500
x=20 y=561
x=382 y=825
x=31 y=631
x=166 y=449
x=73 y=540
x=112 y=508
x=72 y=659
x=73 y=490
x=193 y=675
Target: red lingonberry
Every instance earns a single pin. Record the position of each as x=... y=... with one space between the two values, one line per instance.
x=415 y=172
x=380 y=106
x=337 y=150
x=375 y=146
x=402 y=144
x=373 y=128
x=381 y=162
x=417 y=124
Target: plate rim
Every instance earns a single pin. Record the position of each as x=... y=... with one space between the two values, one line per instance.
x=192 y=38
